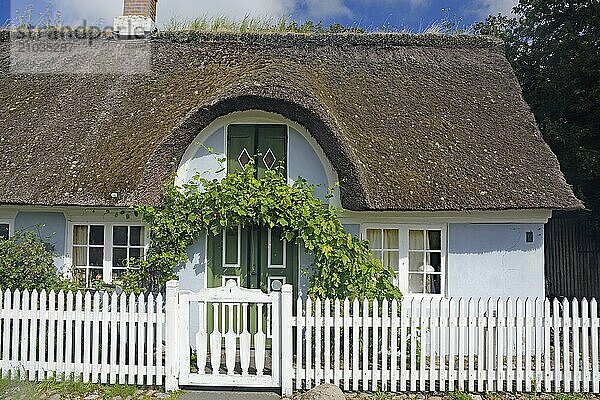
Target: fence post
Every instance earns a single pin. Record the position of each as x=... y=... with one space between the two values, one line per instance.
x=286 y=341
x=171 y=337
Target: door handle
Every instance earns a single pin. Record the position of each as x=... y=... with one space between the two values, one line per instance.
x=253 y=269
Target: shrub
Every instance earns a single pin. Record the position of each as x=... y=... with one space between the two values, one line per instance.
x=27 y=263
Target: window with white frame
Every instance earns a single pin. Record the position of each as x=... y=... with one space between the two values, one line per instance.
x=415 y=254
x=385 y=247
x=101 y=252
x=425 y=261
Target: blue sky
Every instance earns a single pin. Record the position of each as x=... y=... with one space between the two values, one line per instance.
x=415 y=15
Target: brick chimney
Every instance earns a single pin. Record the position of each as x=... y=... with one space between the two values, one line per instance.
x=138 y=19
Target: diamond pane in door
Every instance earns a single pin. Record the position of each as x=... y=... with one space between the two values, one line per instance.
x=244 y=158
x=269 y=159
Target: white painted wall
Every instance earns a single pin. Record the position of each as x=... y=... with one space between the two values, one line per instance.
x=495 y=260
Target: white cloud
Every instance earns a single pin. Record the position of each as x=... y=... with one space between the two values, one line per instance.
x=493 y=7
x=237 y=9
x=322 y=9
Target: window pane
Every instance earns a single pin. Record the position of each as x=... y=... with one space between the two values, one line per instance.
x=119 y=257
x=433 y=284
x=4 y=231
x=80 y=256
x=434 y=240
x=376 y=255
x=374 y=238
x=97 y=234
x=390 y=239
x=136 y=235
x=391 y=259
x=120 y=235
x=95 y=274
x=231 y=246
x=415 y=240
x=96 y=256
x=435 y=261
x=415 y=283
x=276 y=247
x=135 y=252
x=415 y=261
x=80 y=234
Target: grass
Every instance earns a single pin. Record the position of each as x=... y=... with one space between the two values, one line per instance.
x=17 y=389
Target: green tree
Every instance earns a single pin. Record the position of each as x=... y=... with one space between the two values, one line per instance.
x=554 y=48
x=27 y=263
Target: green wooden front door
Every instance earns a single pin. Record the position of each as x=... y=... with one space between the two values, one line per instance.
x=255 y=257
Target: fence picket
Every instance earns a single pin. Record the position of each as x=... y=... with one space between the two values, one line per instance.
x=394 y=347
x=566 y=325
x=538 y=330
x=423 y=312
x=318 y=371
x=51 y=317
x=95 y=334
x=327 y=342
x=309 y=322
x=300 y=372
x=472 y=307
x=595 y=324
x=355 y=329
x=500 y=346
x=575 y=325
x=557 y=345
x=452 y=337
x=336 y=343
x=414 y=339
x=104 y=367
x=16 y=310
x=60 y=337
x=123 y=339
x=33 y=328
x=434 y=323
x=385 y=324
x=70 y=316
x=374 y=347
x=547 y=324
x=462 y=324
x=585 y=349
x=365 y=345
x=25 y=334
x=405 y=310
x=346 y=361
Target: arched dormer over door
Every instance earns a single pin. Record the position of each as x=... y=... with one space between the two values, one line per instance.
x=255 y=257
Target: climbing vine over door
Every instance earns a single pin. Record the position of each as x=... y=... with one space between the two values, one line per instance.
x=343 y=266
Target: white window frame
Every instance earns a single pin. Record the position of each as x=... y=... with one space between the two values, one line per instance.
x=402 y=278
x=11 y=225
x=107 y=267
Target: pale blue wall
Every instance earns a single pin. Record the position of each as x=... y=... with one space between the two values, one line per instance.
x=495 y=260
x=50 y=227
x=304 y=162
x=205 y=162
x=192 y=274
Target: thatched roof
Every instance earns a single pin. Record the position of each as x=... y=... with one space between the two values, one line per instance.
x=410 y=122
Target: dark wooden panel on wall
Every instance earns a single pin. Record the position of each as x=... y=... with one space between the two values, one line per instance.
x=572 y=255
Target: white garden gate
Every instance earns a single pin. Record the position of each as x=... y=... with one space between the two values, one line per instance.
x=226 y=336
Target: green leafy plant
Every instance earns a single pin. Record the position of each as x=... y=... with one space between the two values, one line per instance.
x=458 y=395
x=343 y=265
x=26 y=262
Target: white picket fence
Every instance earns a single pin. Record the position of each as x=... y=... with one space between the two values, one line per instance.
x=415 y=344
x=448 y=344
x=100 y=338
